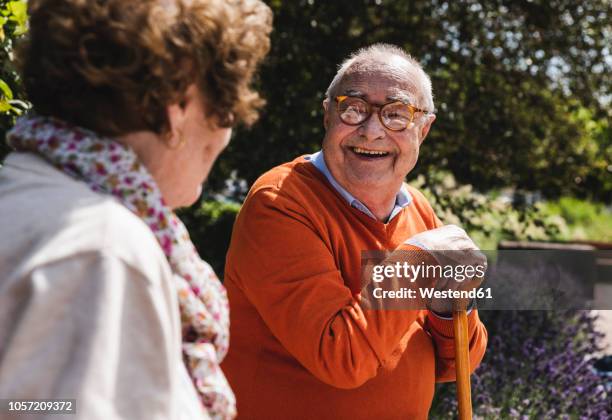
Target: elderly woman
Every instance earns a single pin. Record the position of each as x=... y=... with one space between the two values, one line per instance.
x=134 y=100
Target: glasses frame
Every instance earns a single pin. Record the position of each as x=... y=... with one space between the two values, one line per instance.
x=413 y=109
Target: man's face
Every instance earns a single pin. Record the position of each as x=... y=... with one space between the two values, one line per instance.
x=346 y=146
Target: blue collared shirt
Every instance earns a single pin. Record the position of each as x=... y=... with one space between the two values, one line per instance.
x=402 y=199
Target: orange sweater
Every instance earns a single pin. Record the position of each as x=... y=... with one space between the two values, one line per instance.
x=301 y=346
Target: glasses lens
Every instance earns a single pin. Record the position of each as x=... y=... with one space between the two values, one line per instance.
x=353 y=110
x=396 y=116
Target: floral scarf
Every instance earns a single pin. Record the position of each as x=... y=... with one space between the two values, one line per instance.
x=112 y=168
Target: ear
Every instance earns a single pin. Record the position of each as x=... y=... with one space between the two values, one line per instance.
x=325 y=115
x=177 y=116
x=424 y=130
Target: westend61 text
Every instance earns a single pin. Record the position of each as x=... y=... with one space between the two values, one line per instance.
x=411 y=272
x=432 y=293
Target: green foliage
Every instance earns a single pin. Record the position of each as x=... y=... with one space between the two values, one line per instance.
x=520 y=87
x=593 y=158
x=13 y=24
x=585 y=220
x=492 y=217
x=516 y=86
x=210 y=226
x=487 y=218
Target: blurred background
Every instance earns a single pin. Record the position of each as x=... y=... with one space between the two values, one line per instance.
x=520 y=154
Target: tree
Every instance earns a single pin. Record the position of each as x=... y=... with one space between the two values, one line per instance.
x=522 y=87
x=510 y=79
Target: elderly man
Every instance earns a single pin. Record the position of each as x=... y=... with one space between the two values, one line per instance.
x=303 y=344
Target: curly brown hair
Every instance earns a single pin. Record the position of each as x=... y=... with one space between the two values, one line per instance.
x=114 y=65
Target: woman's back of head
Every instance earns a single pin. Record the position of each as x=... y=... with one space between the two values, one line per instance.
x=113 y=66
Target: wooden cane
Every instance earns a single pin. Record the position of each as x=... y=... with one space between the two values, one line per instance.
x=462 y=364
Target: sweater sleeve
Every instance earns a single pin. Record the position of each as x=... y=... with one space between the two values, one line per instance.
x=290 y=275
x=442 y=334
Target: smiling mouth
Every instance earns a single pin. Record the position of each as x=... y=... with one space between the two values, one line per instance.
x=369 y=154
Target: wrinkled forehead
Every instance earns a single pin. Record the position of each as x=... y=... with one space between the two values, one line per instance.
x=382 y=83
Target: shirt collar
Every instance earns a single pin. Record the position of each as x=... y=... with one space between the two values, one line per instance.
x=402 y=199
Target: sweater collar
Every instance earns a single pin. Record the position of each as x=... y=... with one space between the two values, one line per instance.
x=402 y=199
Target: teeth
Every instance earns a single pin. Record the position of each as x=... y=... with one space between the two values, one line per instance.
x=369 y=152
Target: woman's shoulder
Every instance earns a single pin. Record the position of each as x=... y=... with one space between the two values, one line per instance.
x=50 y=216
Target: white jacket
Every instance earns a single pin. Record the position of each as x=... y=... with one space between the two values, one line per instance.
x=88 y=308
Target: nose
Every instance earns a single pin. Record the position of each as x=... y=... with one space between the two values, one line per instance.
x=372 y=129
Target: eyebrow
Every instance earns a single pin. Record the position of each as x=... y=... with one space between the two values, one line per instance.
x=355 y=93
x=402 y=97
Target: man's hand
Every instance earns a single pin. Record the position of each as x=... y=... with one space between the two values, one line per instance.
x=451 y=246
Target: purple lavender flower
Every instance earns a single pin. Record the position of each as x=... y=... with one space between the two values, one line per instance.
x=539 y=364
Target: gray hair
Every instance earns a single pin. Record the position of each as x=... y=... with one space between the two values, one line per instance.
x=376 y=57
